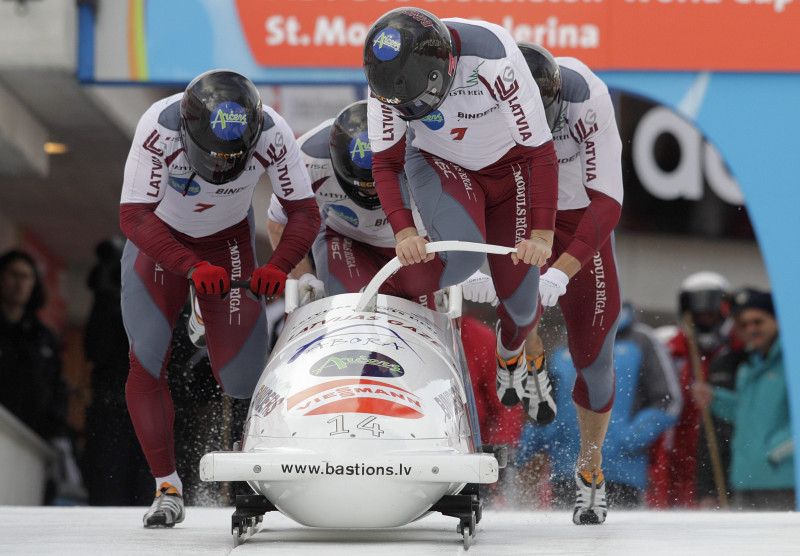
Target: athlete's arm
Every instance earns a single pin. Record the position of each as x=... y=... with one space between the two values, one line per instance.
x=292 y=185
x=600 y=149
x=275 y=231
x=144 y=185
x=388 y=140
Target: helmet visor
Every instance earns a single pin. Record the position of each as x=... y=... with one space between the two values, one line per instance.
x=702 y=301
x=216 y=168
x=419 y=107
x=367 y=194
x=438 y=85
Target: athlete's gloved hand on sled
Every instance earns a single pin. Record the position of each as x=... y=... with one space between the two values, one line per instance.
x=311 y=288
x=268 y=280
x=209 y=278
x=552 y=285
x=479 y=288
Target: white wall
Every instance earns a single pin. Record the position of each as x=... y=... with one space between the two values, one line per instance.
x=23 y=462
x=43 y=34
x=653 y=267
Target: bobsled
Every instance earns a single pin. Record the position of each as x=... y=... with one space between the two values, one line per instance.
x=363 y=417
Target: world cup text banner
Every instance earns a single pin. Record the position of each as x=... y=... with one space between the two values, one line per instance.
x=313 y=41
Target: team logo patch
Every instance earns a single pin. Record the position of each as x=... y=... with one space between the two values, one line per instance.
x=179 y=184
x=357 y=363
x=386 y=45
x=434 y=120
x=228 y=121
x=361 y=151
x=346 y=214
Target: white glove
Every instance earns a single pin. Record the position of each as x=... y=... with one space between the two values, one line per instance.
x=311 y=288
x=552 y=285
x=442 y=300
x=479 y=288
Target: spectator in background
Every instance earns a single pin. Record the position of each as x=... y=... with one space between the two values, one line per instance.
x=762 y=460
x=33 y=387
x=647 y=403
x=113 y=463
x=703 y=300
x=722 y=374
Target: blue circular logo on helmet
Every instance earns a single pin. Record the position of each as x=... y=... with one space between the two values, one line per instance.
x=386 y=45
x=228 y=121
x=434 y=120
x=361 y=151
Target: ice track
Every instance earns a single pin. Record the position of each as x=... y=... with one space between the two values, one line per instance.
x=28 y=531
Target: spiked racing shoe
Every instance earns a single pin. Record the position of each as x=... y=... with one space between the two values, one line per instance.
x=590 y=498
x=538 y=400
x=512 y=376
x=166 y=509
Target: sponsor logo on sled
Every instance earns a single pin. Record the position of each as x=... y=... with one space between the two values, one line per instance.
x=265 y=400
x=357 y=363
x=356 y=395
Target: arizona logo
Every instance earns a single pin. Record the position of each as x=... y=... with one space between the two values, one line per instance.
x=356 y=395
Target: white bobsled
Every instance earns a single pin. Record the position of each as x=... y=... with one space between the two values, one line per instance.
x=363 y=416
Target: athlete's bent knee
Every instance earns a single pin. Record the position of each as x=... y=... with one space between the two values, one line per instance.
x=238 y=385
x=595 y=394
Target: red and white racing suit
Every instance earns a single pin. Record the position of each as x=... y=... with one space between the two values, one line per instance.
x=353 y=242
x=481 y=168
x=173 y=219
x=589 y=205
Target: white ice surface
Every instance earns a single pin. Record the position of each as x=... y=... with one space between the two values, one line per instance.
x=28 y=531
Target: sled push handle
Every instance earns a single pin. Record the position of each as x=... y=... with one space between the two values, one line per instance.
x=290 y=293
x=369 y=297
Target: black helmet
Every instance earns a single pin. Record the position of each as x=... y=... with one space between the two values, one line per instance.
x=220 y=124
x=351 y=155
x=547 y=75
x=409 y=61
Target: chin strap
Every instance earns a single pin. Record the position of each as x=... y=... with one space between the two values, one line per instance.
x=186 y=185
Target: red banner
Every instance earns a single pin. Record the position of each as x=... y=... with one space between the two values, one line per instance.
x=692 y=35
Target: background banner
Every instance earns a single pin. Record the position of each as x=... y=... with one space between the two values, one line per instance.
x=270 y=40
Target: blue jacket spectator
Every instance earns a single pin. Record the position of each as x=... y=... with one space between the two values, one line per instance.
x=647 y=403
x=762 y=447
x=762 y=460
